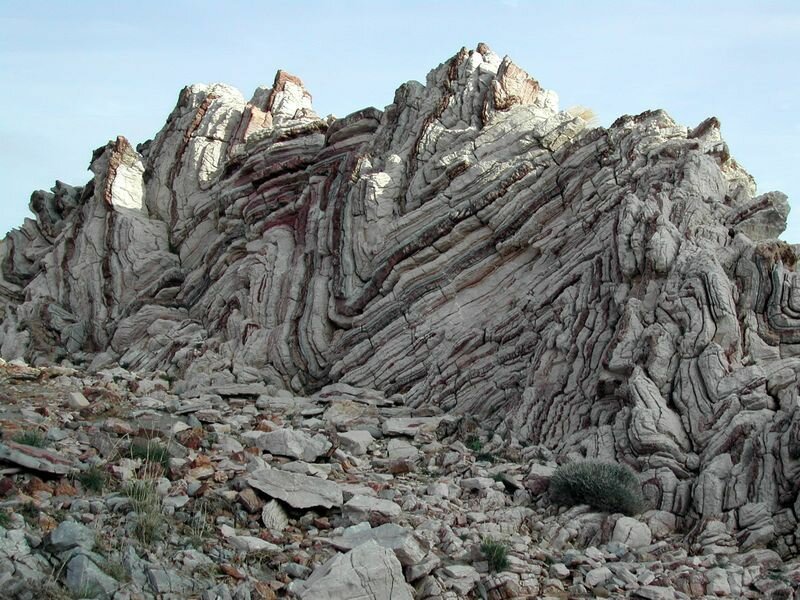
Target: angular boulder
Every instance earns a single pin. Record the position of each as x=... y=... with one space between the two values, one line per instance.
x=298 y=491
x=368 y=572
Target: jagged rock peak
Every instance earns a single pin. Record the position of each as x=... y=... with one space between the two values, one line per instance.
x=616 y=293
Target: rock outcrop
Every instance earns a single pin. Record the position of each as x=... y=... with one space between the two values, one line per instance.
x=604 y=292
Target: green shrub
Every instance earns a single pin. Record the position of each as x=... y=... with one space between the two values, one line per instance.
x=142 y=493
x=32 y=437
x=5 y=519
x=605 y=486
x=149 y=524
x=496 y=554
x=474 y=443
x=93 y=479
x=151 y=451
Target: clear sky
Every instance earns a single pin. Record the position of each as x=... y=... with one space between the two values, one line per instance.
x=77 y=73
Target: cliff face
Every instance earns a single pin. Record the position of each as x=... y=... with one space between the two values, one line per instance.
x=611 y=292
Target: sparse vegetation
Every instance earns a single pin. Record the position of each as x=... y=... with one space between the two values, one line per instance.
x=474 y=443
x=198 y=528
x=29 y=512
x=496 y=554
x=94 y=479
x=604 y=486
x=5 y=519
x=151 y=451
x=150 y=522
x=142 y=494
x=32 y=437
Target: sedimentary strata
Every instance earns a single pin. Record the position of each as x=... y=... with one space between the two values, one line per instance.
x=609 y=292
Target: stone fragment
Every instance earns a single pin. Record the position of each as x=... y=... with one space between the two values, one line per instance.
x=400 y=449
x=631 y=532
x=355 y=442
x=462 y=579
x=38 y=459
x=409 y=426
x=428 y=565
x=654 y=592
x=77 y=400
x=274 y=517
x=368 y=571
x=247 y=543
x=294 y=444
x=168 y=581
x=597 y=576
x=559 y=571
x=401 y=541
x=250 y=500
x=86 y=579
x=70 y=534
x=374 y=510
x=298 y=491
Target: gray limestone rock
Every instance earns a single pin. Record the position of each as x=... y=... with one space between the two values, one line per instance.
x=366 y=508
x=274 y=517
x=355 y=442
x=408 y=549
x=631 y=532
x=86 y=580
x=294 y=444
x=168 y=581
x=298 y=491
x=609 y=291
x=368 y=572
x=70 y=534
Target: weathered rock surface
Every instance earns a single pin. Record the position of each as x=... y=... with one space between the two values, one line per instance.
x=607 y=292
x=91 y=534
x=368 y=572
x=298 y=491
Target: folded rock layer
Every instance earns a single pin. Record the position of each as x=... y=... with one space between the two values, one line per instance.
x=609 y=292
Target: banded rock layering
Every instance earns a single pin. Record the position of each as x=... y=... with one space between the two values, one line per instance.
x=606 y=292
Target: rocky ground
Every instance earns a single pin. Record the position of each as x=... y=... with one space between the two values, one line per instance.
x=118 y=486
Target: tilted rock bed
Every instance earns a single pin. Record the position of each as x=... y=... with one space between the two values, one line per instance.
x=344 y=494
x=607 y=292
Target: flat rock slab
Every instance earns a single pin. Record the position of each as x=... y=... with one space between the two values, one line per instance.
x=298 y=491
x=240 y=390
x=355 y=442
x=366 y=508
x=368 y=572
x=247 y=543
x=70 y=534
x=399 y=540
x=34 y=458
x=294 y=444
x=84 y=576
x=410 y=426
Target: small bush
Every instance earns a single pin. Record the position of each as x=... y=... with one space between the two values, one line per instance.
x=150 y=523
x=151 y=451
x=605 y=486
x=496 y=554
x=32 y=437
x=150 y=526
x=116 y=570
x=5 y=519
x=142 y=493
x=93 y=479
x=474 y=443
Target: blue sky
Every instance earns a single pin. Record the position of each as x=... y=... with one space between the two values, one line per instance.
x=77 y=73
